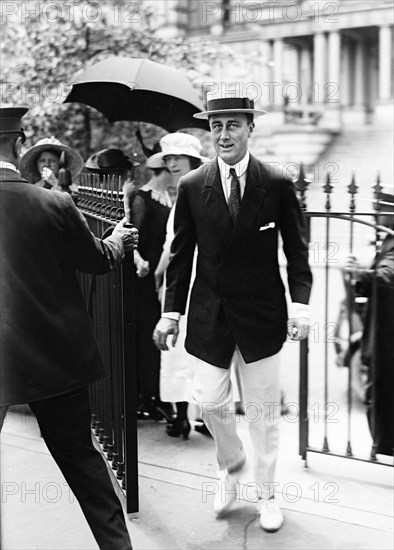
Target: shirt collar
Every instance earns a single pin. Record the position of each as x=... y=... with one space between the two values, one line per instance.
x=240 y=167
x=9 y=165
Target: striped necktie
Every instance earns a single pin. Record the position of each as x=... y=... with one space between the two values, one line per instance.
x=234 y=201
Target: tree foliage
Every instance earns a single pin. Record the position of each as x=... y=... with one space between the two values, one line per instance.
x=45 y=44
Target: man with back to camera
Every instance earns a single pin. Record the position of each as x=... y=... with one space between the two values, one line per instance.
x=233 y=208
x=49 y=353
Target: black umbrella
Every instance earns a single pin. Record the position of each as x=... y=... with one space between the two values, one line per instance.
x=141 y=90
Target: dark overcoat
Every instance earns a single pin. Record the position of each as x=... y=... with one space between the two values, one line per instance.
x=238 y=296
x=48 y=345
x=377 y=284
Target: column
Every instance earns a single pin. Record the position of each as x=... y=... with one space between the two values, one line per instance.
x=277 y=71
x=305 y=75
x=332 y=95
x=384 y=62
x=359 y=80
x=347 y=74
x=319 y=67
x=265 y=61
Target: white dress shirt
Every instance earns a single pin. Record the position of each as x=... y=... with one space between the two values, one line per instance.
x=240 y=169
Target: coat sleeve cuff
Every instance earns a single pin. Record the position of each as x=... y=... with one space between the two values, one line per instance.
x=114 y=250
x=174 y=315
x=299 y=310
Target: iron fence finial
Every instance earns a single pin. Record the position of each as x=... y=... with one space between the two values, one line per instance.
x=352 y=189
x=327 y=187
x=302 y=184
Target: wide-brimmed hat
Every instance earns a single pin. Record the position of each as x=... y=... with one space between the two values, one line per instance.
x=155 y=163
x=177 y=144
x=223 y=101
x=28 y=162
x=109 y=160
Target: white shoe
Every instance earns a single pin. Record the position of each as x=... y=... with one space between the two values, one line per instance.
x=228 y=491
x=270 y=516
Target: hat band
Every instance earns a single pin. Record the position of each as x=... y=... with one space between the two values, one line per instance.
x=230 y=103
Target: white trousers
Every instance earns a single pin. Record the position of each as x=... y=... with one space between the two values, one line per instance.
x=260 y=396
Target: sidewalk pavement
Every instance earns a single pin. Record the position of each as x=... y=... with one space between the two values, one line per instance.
x=333 y=503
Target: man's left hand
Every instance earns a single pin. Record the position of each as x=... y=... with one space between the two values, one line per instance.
x=297 y=328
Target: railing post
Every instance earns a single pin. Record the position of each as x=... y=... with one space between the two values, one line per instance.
x=130 y=385
x=302 y=185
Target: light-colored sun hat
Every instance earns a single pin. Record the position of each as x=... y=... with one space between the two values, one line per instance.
x=177 y=144
x=28 y=162
x=155 y=163
x=223 y=101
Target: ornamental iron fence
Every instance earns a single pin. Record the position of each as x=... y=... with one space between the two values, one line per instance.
x=110 y=302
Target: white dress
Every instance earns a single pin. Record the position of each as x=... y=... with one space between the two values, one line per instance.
x=177 y=365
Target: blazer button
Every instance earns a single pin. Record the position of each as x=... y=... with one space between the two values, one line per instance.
x=224 y=299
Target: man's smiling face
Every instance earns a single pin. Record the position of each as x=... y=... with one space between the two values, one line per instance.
x=230 y=133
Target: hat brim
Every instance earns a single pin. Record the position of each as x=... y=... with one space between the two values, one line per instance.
x=93 y=167
x=177 y=152
x=28 y=162
x=206 y=114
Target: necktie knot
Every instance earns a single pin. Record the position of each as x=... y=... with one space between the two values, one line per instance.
x=234 y=201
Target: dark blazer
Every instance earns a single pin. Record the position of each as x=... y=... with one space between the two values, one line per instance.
x=48 y=345
x=238 y=296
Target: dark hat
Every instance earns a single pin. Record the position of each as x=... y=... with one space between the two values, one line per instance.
x=10 y=120
x=109 y=160
x=224 y=102
x=28 y=162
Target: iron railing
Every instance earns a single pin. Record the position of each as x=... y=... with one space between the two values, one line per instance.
x=110 y=302
x=351 y=218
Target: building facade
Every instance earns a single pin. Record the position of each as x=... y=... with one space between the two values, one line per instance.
x=322 y=66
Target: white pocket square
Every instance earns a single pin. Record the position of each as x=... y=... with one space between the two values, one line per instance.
x=270 y=225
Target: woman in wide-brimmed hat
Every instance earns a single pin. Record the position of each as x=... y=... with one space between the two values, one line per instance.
x=40 y=164
x=180 y=153
x=148 y=208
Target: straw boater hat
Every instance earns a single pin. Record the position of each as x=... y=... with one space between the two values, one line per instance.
x=28 y=162
x=223 y=102
x=109 y=160
x=179 y=143
x=384 y=198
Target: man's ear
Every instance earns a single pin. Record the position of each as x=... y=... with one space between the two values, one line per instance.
x=17 y=147
x=251 y=128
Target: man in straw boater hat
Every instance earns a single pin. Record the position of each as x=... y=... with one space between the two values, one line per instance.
x=48 y=351
x=377 y=345
x=233 y=208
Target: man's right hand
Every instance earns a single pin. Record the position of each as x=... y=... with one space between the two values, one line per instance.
x=163 y=329
x=129 y=235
